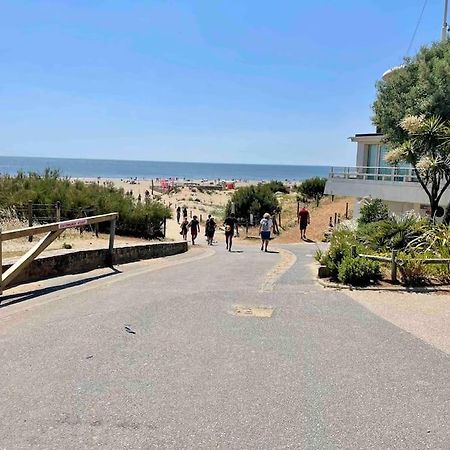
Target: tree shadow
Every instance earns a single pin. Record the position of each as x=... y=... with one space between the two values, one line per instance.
x=7 y=300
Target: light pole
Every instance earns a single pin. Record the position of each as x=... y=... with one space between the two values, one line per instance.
x=444 y=22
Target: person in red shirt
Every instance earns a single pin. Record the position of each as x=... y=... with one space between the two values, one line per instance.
x=304 y=221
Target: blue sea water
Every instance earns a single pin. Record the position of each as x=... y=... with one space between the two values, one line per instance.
x=91 y=168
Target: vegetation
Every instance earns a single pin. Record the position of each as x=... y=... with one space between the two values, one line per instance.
x=412 y=110
x=420 y=87
x=135 y=219
x=313 y=188
x=414 y=238
x=373 y=211
x=255 y=200
x=358 y=271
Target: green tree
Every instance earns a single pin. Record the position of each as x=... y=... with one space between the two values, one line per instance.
x=421 y=86
x=253 y=199
x=313 y=188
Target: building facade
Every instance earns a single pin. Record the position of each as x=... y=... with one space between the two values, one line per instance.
x=373 y=177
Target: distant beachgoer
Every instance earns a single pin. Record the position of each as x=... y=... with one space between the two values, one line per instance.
x=304 y=220
x=139 y=198
x=185 y=214
x=264 y=230
x=230 y=224
x=195 y=229
x=178 y=214
x=184 y=228
x=210 y=229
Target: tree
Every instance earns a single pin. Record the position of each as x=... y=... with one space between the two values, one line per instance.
x=427 y=149
x=252 y=199
x=313 y=188
x=421 y=86
x=412 y=110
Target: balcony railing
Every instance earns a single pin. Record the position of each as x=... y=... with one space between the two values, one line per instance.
x=389 y=174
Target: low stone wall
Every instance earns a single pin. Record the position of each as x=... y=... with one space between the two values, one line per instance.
x=86 y=260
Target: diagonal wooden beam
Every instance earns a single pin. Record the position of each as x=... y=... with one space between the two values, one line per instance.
x=20 y=265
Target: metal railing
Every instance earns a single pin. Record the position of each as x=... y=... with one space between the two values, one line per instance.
x=371 y=173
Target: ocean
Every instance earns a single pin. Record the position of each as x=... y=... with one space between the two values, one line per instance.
x=92 y=168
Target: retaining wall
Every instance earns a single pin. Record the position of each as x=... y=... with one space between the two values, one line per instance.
x=86 y=260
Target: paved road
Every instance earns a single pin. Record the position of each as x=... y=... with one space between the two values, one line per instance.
x=321 y=373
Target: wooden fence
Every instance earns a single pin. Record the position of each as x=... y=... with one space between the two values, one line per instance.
x=394 y=262
x=52 y=230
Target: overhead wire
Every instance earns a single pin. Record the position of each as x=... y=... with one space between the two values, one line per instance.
x=417 y=27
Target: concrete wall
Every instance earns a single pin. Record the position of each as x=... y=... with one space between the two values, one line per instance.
x=86 y=260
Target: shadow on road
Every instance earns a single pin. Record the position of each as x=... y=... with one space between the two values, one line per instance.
x=7 y=300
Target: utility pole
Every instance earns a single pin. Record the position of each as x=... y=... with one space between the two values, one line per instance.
x=444 y=22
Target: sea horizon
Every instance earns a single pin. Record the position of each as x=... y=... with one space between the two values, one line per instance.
x=143 y=169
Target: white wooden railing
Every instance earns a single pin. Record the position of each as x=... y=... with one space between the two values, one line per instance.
x=369 y=173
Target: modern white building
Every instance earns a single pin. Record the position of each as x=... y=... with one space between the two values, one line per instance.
x=373 y=177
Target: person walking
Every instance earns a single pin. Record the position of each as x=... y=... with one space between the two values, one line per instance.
x=184 y=228
x=304 y=221
x=185 y=211
x=230 y=224
x=178 y=214
x=210 y=229
x=195 y=228
x=265 y=227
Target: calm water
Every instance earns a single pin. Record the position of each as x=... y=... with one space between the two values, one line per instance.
x=91 y=168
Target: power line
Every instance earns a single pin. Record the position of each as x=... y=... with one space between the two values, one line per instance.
x=417 y=27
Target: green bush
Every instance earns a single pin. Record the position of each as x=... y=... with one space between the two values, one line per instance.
x=358 y=271
x=394 y=233
x=313 y=188
x=373 y=211
x=341 y=244
x=412 y=270
x=255 y=200
x=135 y=219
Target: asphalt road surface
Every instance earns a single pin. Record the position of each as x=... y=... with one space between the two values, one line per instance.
x=157 y=356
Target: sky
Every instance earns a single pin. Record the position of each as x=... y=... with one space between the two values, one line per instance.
x=248 y=81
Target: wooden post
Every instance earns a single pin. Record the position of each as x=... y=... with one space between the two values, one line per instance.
x=201 y=218
x=335 y=218
x=1 y=263
x=96 y=230
x=331 y=222
x=152 y=187
x=279 y=219
x=298 y=210
x=112 y=234
x=164 y=226
x=394 y=266
x=346 y=210
x=58 y=211
x=30 y=218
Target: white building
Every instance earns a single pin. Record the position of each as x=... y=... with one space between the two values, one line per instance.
x=373 y=178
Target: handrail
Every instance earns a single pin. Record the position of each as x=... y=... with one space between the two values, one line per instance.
x=375 y=173
x=53 y=230
x=39 y=229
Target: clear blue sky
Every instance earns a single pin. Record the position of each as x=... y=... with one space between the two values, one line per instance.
x=248 y=81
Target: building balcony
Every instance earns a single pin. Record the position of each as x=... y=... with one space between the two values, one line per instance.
x=395 y=184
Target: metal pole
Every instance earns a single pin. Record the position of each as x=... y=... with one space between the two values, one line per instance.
x=112 y=233
x=444 y=22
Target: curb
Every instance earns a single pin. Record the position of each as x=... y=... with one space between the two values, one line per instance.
x=406 y=289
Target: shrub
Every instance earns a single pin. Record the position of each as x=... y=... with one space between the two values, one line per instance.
x=277 y=186
x=313 y=188
x=412 y=271
x=373 y=211
x=358 y=271
x=142 y=220
x=252 y=199
x=394 y=233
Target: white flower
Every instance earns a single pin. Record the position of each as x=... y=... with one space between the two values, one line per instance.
x=425 y=163
x=412 y=124
x=395 y=155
